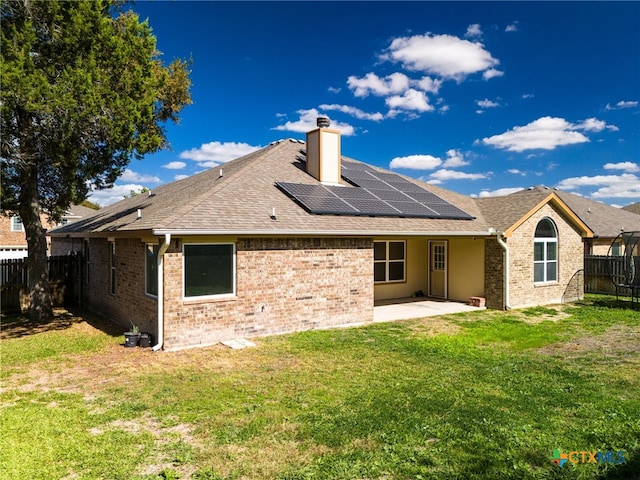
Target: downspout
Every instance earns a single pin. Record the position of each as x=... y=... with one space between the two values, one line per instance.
x=505 y=247
x=161 y=251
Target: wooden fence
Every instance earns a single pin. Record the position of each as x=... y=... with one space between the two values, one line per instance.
x=602 y=272
x=64 y=276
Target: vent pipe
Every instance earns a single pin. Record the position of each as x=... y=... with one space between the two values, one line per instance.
x=323 y=122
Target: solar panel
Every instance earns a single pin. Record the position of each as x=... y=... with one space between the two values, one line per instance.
x=348 y=193
x=375 y=193
x=412 y=209
x=390 y=195
x=374 y=207
x=326 y=205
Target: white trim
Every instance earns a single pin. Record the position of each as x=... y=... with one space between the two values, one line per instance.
x=325 y=233
x=220 y=296
x=163 y=248
x=505 y=247
x=387 y=261
x=446 y=267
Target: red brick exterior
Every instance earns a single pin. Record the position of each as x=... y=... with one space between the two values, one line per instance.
x=282 y=285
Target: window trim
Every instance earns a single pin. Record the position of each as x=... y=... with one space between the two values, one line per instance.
x=387 y=261
x=545 y=262
x=112 y=267
x=156 y=249
x=87 y=261
x=17 y=224
x=217 y=296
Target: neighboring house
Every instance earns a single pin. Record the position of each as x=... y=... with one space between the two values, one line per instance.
x=13 y=241
x=633 y=208
x=295 y=236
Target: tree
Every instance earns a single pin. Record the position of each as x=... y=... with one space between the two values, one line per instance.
x=83 y=92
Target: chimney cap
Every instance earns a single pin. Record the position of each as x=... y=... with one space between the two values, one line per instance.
x=323 y=122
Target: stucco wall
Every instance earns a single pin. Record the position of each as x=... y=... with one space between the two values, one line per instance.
x=570 y=285
x=466 y=269
x=416 y=272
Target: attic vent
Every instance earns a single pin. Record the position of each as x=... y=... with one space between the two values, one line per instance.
x=323 y=122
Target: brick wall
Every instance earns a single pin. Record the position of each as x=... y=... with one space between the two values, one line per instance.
x=283 y=285
x=129 y=304
x=494 y=274
x=569 y=287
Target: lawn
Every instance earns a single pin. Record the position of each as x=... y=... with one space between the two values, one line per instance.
x=482 y=395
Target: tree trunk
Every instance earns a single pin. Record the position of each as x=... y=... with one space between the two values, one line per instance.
x=40 y=309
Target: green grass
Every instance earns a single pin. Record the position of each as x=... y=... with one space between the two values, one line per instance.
x=490 y=397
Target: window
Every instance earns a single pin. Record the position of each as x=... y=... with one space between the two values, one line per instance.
x=151 y=268
x=545 y=252
x=389 y=261
x=616 y=251
x=209 y=269
x=112 y=267
x=86 y=260
x=16 y=224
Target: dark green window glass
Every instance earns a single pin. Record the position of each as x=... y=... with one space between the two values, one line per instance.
x=208 y=270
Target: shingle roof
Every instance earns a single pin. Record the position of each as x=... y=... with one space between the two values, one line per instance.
x=604 y=220
x=633 y=208
x=242 y=200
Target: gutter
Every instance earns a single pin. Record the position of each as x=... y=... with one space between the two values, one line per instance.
x=161 y=251
x=327 y=233
x=505 y=247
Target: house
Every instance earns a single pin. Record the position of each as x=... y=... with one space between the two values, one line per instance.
x=633 y=208
x=13 y=241
x=296 y=236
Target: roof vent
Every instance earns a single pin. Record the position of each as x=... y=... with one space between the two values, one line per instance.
x=323 y=122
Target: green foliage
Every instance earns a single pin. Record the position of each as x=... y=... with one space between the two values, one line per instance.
x=83 y=92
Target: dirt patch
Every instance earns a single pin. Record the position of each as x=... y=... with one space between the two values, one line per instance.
x=432 y=326
x=617 y=342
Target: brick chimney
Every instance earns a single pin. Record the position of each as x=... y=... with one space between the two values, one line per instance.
x=323 y=153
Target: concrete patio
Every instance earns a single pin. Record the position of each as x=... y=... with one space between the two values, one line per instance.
x=406 y=308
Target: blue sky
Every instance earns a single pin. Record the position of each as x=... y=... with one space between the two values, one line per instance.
x=481 y=98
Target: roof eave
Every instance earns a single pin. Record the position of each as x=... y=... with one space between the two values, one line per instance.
x=328 y=233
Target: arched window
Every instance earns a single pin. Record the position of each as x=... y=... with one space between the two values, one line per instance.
x=545 y=252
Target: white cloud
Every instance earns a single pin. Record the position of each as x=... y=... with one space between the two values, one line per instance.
x=416 y=162
x=353 y=111
x=410 y=100
x=595 y=125
x=307 y=122
x=473 y=31
x=528 y=95
x=445 y=174
x=428 y=84
x=455 y=158
x=628 y=167
x=515 y=171
x=546 y=133
x=180 y=177
x=334 y=89
x=444 y=55
x=512 y=28
x=622 y=104
x=486 y=103
x=626 y=185
x=218 y=152
x=174 y=165
x=373 y=84
x=131 y=176
x=500 y=192
x=492 y=73
x=112 y=195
